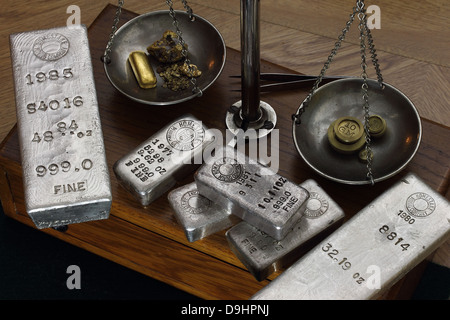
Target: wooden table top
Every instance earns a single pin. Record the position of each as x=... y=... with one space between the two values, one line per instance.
x=412 y=44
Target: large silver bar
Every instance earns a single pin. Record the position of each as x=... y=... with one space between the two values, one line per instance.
x=199 y=216
x=65 y=174
x=251 y=191
x=155 y=165
x=262 y=255
x=371 y=251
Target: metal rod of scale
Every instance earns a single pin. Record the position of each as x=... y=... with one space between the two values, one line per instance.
x=250 y=112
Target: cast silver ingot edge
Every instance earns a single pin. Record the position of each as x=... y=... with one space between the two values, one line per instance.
x=65 y=174
x=198 y=216
x=251 y=191
x=262 y=255
x=155 y=165
x=371 y=251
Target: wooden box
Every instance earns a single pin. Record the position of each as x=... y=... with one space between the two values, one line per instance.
x=149 y=240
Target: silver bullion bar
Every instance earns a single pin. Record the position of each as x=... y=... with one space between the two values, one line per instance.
x=65 y=174
x=371 y=251
x=155 y=166
x=262 y=255
x=251 y=191
x=198 y=215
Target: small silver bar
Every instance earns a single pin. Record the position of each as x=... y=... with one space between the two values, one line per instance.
x=199 y=216
x=251 y=191
x=154 y=166
x=65 y=174
x=371 y=251
x=262 y=255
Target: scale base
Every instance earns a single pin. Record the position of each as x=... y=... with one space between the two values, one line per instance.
x=263 y=126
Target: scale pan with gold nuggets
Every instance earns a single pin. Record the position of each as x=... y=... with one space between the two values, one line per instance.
x=205 y=50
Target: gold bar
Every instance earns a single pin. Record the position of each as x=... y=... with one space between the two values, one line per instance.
x=142 y=69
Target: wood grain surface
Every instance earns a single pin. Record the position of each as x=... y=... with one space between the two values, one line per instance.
x=150 y=240
x=295 y=36
x=413 y=46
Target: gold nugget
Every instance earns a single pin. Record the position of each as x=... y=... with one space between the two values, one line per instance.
x=190 y=70
x=168 y=49
x=142 y=69
x=177 y=76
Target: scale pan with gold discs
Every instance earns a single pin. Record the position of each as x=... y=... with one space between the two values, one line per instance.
x=357 y=130
x=342 y=98
x=205 y=49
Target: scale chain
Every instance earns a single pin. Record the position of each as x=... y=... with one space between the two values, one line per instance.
x=188 y=10
x=184 y=51
x=106 y=58
x=363 y=20
x=373 y=53
x=296 y=117
x=365 y=35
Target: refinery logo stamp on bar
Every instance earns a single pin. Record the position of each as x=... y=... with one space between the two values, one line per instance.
x=51 y=46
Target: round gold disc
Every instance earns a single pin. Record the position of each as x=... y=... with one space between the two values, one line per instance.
x=363 y=155
x=344 y=147
x=348 y=130
x=377 y=126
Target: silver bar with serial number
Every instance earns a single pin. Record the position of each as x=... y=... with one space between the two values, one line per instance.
x=65 y=174
x=371 y=251
x=251 y=191
x=262 y=255
x=199 y=216
x=154 y=166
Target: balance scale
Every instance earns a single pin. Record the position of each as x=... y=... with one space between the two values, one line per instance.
x=339 y=98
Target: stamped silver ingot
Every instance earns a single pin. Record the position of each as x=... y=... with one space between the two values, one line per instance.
x=154 y=166
x=372 y=250
x=199 y=216
x=251 y=191
x=65 y=174
x=262 y=255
